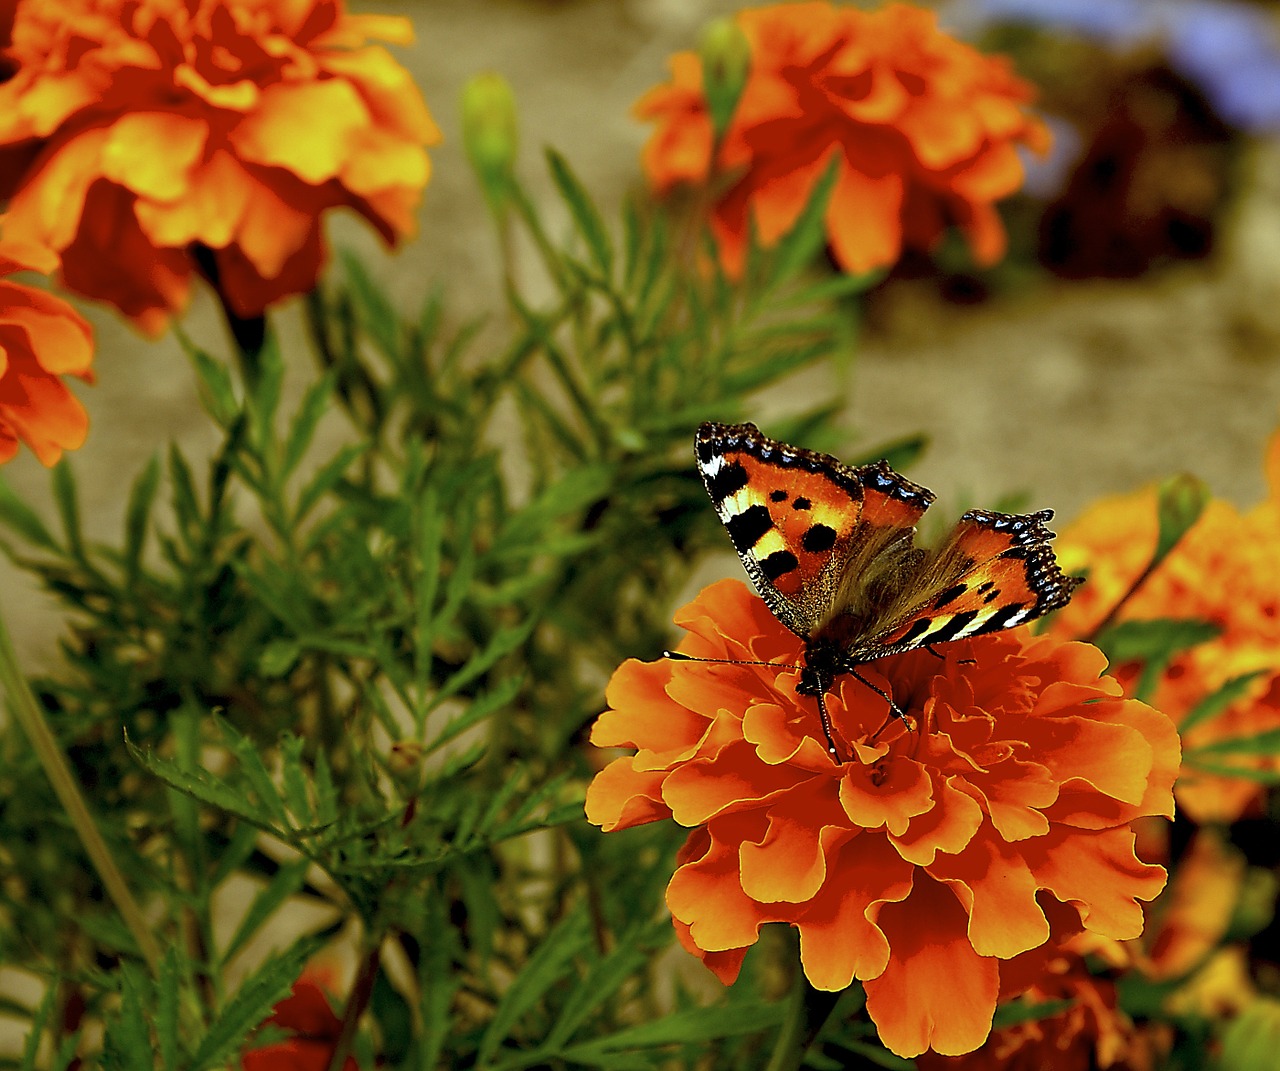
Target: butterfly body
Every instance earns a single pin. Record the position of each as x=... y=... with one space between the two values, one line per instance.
x=831 y=549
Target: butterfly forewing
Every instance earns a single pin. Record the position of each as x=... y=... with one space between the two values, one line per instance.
x=790 y=513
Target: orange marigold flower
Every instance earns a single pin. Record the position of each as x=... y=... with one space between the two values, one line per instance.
x=1225 y=571
x=924 y=129
x=941 y=866
x=135 y=133
x=41 y=339
x=305 y=1013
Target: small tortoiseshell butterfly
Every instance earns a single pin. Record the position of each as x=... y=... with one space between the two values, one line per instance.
x=830 y=549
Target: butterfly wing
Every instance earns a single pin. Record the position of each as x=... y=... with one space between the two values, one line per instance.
x=994 y=571
x=799 y=519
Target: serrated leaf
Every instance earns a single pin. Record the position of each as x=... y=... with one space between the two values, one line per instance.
x=278 y=657
x=395 y=1022
x=1263 y=743
x=585 y=215
x=137 y=516
x=286 y=882
x=251 y=1004
x=1155 y=640
x=315 y=403
x=216 y=391
x=256 y=773
x=294 y=779
x=203 y=786
x=1180 y=501
x=376 y=314
x=185 y=504
x=595 y=989
x=808 y=235
x=325 y=478
x=548 y=964
x=1016 y=1012
x=126 y=1041
x=326 y=793
x=38 y=1023
x=1219 y=700
x=695 y=1026
x=1240 y=773
x=20 y=518
x=503 y=643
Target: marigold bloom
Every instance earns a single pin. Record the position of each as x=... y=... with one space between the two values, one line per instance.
x=306 y=1013
x=135 y=131
x=1226 y=571
x=941 y=866
x=41 y=339
x=924 y=129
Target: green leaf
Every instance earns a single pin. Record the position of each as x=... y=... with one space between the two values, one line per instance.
x=1155 y=640
x=67 y=500
x=550 y=962
x=377 y=316
x=1182 y=499
x=585 y=216
x=695 y=1026
x=326 y=793
x=137 y=515
x=267 y=387
x=503 y=643
x=38 y=1024
x=294 y=778
x=286 y=882
x=1217 y=701
x=1025 y=1011
x=216 y=391
x=596 y=988
x=278 y=657
x=256 y=773
x=483 y=706
x=876 y=1054
x=251 y=1004
x=800 y=245
x=315 y=403
x=166 y=1021
x=1264 y=743
x=1252 y=1039
x=395 y=1022
x=18 y=516
x=1240 y=773
x=185 y=504
x=325 y=478
x=126 y=1043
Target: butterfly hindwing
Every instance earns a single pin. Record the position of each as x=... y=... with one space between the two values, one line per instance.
x=993 y=571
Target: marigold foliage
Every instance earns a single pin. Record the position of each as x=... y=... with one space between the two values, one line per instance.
x=965 y=850
x=134 y=134
x=924 y=131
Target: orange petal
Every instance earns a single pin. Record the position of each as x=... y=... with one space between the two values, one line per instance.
x=839 y=939
x=726 y=965
x=863 y=220
x=789 y=863
x=303 y=127
x=1016 y=799
x=705 y=894
x=48 y=207
x=59 y=339
x=995 y=886
x=936 y=992
x=946 y=827
x=620 y=796
x=735 y=779
x=1099 y=873
x=888 y=794
x=153 y=153
x=211 y=212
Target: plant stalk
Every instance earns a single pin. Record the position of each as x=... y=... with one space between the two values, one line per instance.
x=32 y=720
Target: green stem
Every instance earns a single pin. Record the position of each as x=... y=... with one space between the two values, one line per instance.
x=807 y=1012
x=32 y=720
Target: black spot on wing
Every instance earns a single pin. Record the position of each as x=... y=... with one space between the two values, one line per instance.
x=778 y=496
x=779 y=563
x=802 y=503
x=746 y=528
x=818 y=538
x=726 y=483
x=1002 y=618
x=992 y=595
x=985 y=586
x=914 y=632
x=949 y=596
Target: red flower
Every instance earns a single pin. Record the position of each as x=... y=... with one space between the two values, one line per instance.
x=1225 y=571
x=940 y=866
x=138 y=131
x=924 y=130
x=307 y=1014
x=41 y=339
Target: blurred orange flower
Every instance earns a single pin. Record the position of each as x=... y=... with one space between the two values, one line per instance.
x=305 y=1013
x=1225 y=571
x=41 y=339
x=138 y=135
x=939 y=865
x=924 y=129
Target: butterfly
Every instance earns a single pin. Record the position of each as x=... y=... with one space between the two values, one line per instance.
x=831 y=549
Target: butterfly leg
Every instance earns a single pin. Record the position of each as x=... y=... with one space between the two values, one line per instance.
x=895 y=711
x=826 y=727
x=963 y=661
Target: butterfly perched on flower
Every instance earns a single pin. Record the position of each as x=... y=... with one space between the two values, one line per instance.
x=831 y=549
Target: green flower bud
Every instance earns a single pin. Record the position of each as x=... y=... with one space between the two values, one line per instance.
x=489 y=134
x=726 y=62
x=1182 y=500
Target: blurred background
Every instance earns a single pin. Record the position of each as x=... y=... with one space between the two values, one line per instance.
x=1133 y=330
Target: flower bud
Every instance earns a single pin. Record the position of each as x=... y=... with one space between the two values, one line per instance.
x=726 y=62
x=489 y=133
x=1182 y=500
x=404 y=761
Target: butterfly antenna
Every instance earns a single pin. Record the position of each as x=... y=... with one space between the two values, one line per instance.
x=826 y=727
x=677 y=656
